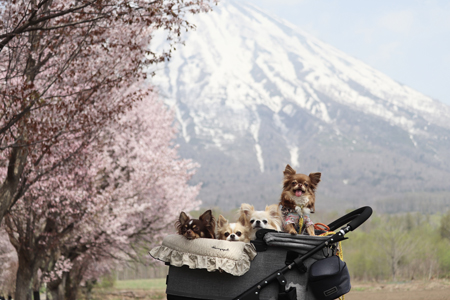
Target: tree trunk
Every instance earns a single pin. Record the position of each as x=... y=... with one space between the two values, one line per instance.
x=36 y=295
x=24 y=279
x=36 y=285
x=74 y=278
x=394 y=267
x=55 y=289
x=89 y=285
x=10 y=186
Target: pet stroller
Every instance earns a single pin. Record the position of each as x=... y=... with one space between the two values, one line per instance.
x=274 y=266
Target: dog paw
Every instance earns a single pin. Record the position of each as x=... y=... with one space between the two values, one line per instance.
x=310 y=230
x=293 y=232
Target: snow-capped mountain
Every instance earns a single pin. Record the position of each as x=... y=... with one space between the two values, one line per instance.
x=252 y=92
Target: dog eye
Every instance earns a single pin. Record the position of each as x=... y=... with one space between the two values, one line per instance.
x=252 y=221
x=265 y=221
x=305 y=184
x=238 y=233
x=294 y=183
x=226 y=234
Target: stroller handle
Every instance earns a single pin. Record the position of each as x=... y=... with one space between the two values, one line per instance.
x=356 y=218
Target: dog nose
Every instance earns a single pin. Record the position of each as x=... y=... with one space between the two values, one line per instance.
x=258 y=222
x=232 y=236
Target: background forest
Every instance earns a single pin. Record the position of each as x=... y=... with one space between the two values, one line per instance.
x=400 y=247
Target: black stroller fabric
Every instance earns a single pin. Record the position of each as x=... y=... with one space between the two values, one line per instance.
x=329 y=278
x=286 y=267
x=184 y=283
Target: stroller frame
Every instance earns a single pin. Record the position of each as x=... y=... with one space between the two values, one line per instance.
x=357 y=217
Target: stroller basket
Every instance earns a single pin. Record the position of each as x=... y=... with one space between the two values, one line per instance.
x=279 y=270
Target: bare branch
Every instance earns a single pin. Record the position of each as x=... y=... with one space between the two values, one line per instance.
x=7 y=37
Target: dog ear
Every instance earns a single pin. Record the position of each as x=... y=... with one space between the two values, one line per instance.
x=315 y=179
x=273 y=210
x=222 y=221
x=243 y=219
x=183 y=218
x=289 y=171
x=206 y=217
x=247 y=209
x=210 y=223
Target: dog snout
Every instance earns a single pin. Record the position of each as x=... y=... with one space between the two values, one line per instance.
x=300 y=186
x=258 y=222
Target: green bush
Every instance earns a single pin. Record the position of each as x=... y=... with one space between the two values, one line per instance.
x=106 y=281
x=398 y=247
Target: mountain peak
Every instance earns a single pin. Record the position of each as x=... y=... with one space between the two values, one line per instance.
x=252 y=93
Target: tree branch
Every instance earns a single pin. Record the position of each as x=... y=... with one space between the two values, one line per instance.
x=7 y=37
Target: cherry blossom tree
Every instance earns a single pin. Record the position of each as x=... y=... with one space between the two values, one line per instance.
x=145 y=186
x=128 y=194
x=63 y=68
x=44 y=217
x=66 y=68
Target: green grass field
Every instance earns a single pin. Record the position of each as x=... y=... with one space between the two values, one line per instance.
x=154 y=289
x=145 y=289
x=141 y=284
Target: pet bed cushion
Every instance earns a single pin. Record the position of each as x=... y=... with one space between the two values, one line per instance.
x=231 y=257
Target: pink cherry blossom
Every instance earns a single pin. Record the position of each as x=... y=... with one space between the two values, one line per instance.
x=88 y=171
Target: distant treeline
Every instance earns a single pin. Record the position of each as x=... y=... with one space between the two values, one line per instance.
x=400 y=247
x=423 y=202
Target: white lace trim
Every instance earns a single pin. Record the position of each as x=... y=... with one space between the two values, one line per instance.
x=212 y=255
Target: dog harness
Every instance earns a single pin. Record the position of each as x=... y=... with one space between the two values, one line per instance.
x=290 y=216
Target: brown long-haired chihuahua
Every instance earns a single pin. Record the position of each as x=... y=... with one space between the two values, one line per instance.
x=203 y=227
x=299 y=193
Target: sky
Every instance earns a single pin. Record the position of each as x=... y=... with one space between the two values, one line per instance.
x=408 y=40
